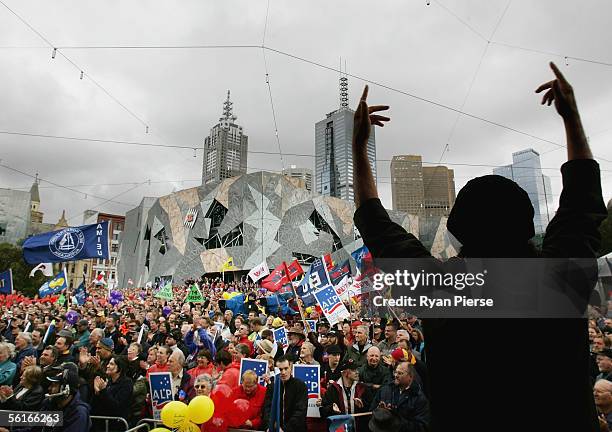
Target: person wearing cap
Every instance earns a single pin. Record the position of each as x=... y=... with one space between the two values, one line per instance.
x=492 y=217
x=296 y=339
x=82 y=334
x=346 y=395
x=277 y=322
x=358 y=351
x=175 y=341
x=383 y=420
x=604 y=364
x=330 y=370
x=374 y=373
x=403 y=396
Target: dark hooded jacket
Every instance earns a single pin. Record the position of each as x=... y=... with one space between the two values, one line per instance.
x=538 y=403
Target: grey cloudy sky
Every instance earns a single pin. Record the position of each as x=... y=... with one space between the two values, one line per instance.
x=431 y=51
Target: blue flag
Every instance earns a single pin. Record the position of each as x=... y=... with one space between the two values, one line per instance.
x=361 y=256
x=316 y=277
x=311 y=376
x=337 y=273
x=160 y=384
x=81 y=294
x=6 y=282
x=55 y=285
x=236 y=304
x=341 y=423
x=280 y=336
x=275 y=411
x=68 y=244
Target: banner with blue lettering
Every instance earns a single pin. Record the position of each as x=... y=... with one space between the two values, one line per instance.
x=6 y=282
x=332 y=306
x=160 y=384
x=54 y=286
x=361 y=256
x=68 y=244
x=311 y=376
x=316 y=277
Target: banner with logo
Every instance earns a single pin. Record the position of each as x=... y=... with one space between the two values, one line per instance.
x=6 y=282
x=342 y=288
x=311 y=376
x=68 y=244
x=275 y=280
x=312 y=325
x=332 y=306
x=166 y=292
x=280 y=337
x=54 y=286
x=259 y=271
x=195 y=295
x=81 y=294
x=160 y=384
x=190 y=218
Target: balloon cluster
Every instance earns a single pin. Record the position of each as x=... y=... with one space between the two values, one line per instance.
x=115 y=297
x=228 y=412
x=186 y=418
x=72 y=317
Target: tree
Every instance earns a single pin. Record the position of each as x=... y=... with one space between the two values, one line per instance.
x=12 y=257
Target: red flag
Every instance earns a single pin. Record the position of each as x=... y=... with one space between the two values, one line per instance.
x=276 y=279
x=294 y=270
x=327 y=259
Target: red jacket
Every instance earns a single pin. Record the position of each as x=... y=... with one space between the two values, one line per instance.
x=157 y=368
x=231 y=375
x=194 y=372
x=256 y=401
x=245 y=340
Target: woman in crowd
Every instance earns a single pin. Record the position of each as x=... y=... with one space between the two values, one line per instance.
x=7 y=367
x=27 y=395
x=204 y=364
x=113 y=396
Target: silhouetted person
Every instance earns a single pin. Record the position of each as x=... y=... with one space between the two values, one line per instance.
x=495 y=384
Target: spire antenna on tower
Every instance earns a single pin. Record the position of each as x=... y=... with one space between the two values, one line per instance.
x=227 y=109
x=343 y=86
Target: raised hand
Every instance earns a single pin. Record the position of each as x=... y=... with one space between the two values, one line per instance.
x=84 y=356
x=364 y=119
x=561 y=93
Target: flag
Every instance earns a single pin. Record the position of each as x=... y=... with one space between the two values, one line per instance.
x=293 y=270
x=332 y=306
x=274 y=422
x=50 y=330
x=55 y=285
x=6 y=282
x=194 y=296
x=61 y=300
x=337 y=273
x=277 y=305
x=260 y=367
x=275 y=280
x=228 y=265
x=362 y=257
x=316 y=277
x=280 y=337
x=312 y=325
x=130 y=281
x=311 y=376
x=68 y=244
x=190 y=218
x=342 y=288
x=327 y=259
x=45 y=268
x=160 y=384
x=341 y=423
x=80 y=294
x=259 y=271
x=166 y=292
x=99 y=280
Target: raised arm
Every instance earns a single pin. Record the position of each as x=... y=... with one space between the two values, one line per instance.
x=562 y=94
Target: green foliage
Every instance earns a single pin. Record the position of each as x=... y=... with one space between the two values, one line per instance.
x=12 y=257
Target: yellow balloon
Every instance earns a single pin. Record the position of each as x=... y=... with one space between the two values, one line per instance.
x=200 y=409
x=309 y=310
x=188 y=426
x=173 y=414
x=160 y=430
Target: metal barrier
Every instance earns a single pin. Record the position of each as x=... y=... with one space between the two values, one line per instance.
x=114 y=419
x=135 y=428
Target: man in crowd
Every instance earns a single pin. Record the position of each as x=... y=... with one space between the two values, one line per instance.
x=330 y=370
x=374 y=373
x=255 y=393
x=82 y=334
x=359 y=349
x=602 y=393
x=405 y=399
x=388 y=344
x=23 y=345
x=604 y=364
x=296 y=339
x=293 y=400
x=182 y=383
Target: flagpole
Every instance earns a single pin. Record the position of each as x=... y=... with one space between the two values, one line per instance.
x=298 y=300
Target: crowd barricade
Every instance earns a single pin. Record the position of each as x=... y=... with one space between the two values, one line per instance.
x=107 y=419
x=158 y=423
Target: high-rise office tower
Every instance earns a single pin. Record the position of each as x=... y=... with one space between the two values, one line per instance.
x=419 y=190
x=303 y=174
x=333 y=150
x=526 y=171
x=225 y=149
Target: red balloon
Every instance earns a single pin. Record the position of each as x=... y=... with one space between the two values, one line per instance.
x=216 y=424
x=240 y=413
x=221 y=396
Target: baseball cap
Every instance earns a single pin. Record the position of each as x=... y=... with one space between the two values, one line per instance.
x=83 y=322
x=334 y=349
x=107 y=343
x=348 y=364
x=606 y=352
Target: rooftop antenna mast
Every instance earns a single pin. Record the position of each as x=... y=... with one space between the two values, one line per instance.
x=227 y=109
x=343 y=86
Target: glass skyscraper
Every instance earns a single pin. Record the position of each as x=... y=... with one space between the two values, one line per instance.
x=333 y=154
x=526 y=171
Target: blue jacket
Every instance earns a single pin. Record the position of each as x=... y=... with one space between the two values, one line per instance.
x=205 y=340
x=7 y=372
x=76 y=416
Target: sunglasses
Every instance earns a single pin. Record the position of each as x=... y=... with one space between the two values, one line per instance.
x=199 y=386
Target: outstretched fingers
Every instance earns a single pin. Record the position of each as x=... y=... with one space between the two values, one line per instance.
x=545 y=86
x=378 y=120
x=557 y=73
x=375 y=108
